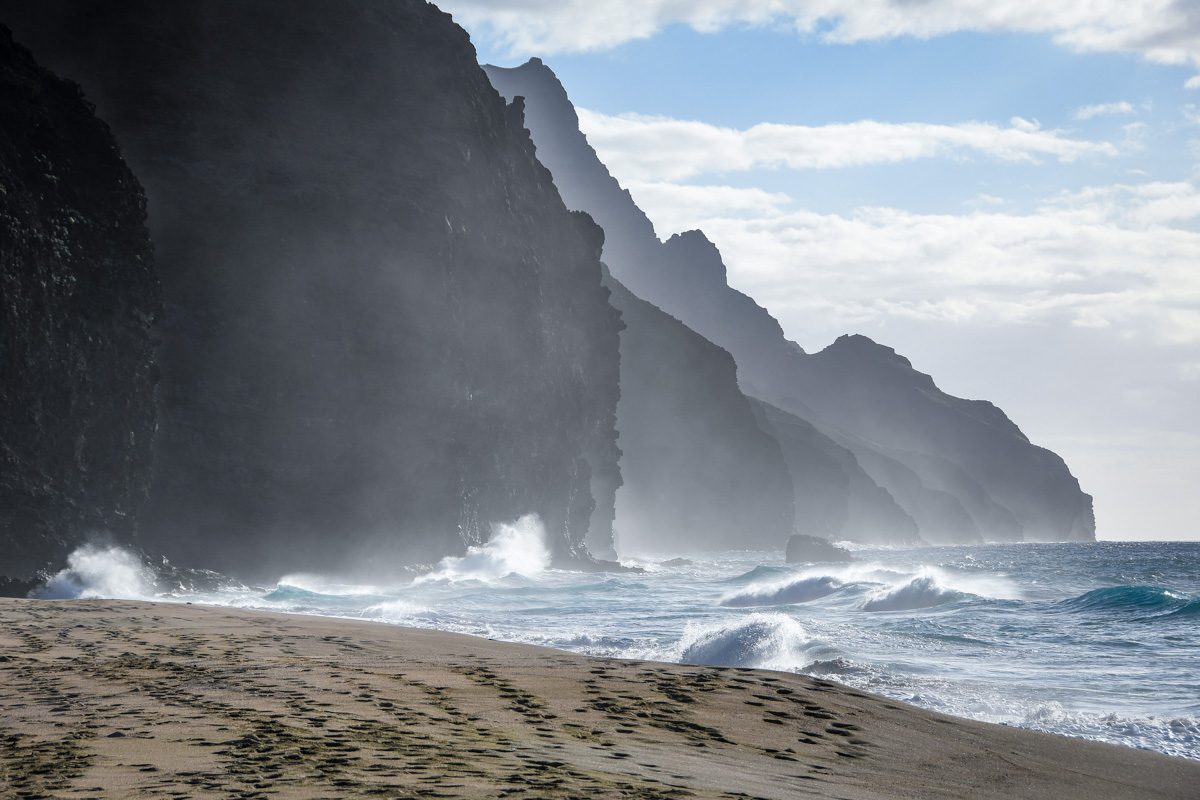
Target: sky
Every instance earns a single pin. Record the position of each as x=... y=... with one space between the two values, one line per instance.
x=1005 y=191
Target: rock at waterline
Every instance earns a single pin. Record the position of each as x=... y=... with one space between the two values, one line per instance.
x=802 y=549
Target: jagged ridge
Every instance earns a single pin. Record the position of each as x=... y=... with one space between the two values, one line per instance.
x=960 y=468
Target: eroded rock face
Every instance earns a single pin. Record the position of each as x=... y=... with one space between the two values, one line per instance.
x=384 y=331
x=961 y=469
x=699 y=472
x=78 y=301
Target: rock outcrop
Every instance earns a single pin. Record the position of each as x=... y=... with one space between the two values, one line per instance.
x=698 y=471
x=803 y=549
x=961 y=469
x=383 y=329
x=78 y=301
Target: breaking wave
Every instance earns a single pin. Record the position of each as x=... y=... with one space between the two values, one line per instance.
x=100 y=572
x=767 y=641
x=799 y=590
x=924 y=591
x=517 y=548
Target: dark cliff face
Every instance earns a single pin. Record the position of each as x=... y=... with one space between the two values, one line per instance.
x=383 y=330
x=960 y=468
x=699 y=472
x=78 y=300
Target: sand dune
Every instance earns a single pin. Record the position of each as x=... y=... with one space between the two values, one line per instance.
x=120 y=699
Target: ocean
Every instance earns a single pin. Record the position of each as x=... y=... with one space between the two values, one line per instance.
x=1099 y=641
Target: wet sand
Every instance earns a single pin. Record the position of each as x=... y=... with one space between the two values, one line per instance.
x=117 y=699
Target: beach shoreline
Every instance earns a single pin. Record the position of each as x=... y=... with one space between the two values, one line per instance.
x=111 y=698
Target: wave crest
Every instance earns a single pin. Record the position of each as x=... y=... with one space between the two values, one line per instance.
x=923 y=591
x=799 y=590
x=762 y=571
x=1154 y=601
x=767 y=641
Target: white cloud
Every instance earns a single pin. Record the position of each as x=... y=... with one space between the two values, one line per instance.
x=1106 y=257
x=1104 y=110
x=704 y=201
x=1165 y=31
x=1192 y=82
x=652 y=148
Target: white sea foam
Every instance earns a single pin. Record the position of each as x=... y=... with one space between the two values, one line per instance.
x=1176 y=736
x=517 y=548
x=100 y=572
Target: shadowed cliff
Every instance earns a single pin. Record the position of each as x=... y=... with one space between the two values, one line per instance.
x=78 y=299
x=698 y=470
x=383 y=329
x=961 y=469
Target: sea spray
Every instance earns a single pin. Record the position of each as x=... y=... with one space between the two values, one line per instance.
x=517 y=548
x=100 y=571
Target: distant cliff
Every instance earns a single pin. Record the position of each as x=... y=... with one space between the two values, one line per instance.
x=699 y=472
x=383 y=329
x=959 y=468
x=834 y=497
x=78 y=300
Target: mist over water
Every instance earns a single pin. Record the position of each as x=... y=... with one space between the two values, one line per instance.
x=1090 y=640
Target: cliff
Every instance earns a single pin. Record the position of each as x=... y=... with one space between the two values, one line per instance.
x=383 y=329
x=834 y=496
x=698 y=471
x=1011 y=488
x=78 y=299
x=961 y=469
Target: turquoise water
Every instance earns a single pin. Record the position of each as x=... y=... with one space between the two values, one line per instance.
x=1100 y=641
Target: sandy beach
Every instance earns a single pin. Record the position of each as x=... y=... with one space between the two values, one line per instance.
x=119 y=699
